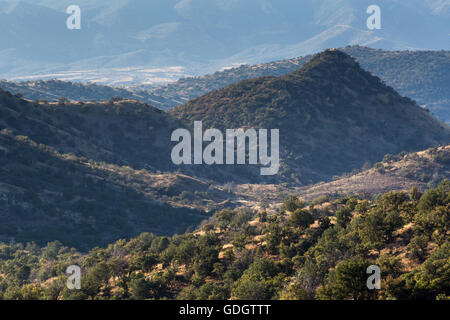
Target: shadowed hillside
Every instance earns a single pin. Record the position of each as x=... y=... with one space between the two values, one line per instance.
x=45 y=195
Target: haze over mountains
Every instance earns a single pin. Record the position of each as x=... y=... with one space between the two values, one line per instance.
x=142 y=35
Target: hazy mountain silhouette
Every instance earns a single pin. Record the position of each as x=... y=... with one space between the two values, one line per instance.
x=202 y=35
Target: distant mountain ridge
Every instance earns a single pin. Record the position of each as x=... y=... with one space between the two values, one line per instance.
x=200 y=36
x=420 y=75
x=55 y=90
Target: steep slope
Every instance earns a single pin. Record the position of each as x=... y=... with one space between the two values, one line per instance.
x=185 y=89
x=47 y=196
x=333 y=116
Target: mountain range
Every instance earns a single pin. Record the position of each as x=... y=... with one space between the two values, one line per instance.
x=198 y=36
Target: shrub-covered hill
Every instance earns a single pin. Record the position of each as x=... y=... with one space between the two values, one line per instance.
x=119 y=131
x=333 y=117
x=315 y=250
x=46 y=195
x=421 y=75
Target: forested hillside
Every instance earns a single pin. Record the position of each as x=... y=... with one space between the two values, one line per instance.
x=308 y=250
x=115 y=131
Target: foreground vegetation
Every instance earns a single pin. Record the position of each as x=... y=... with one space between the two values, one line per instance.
x=315 y=250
